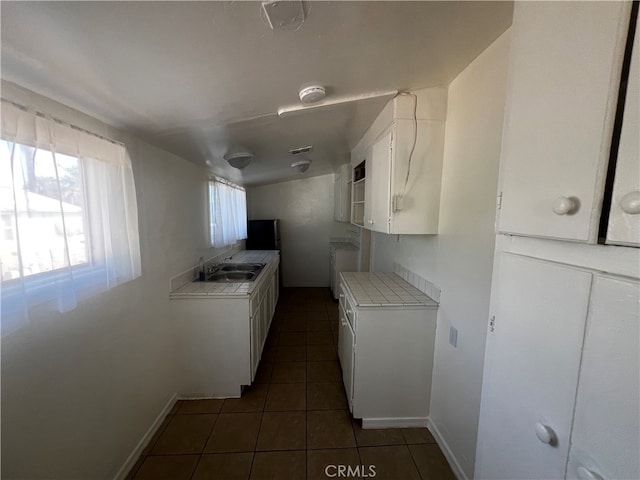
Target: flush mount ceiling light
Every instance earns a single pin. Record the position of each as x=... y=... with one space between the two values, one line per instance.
x=238 y=160
x=312 y=94
x=301 y=165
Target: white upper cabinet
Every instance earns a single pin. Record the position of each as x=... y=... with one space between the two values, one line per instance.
x=342 y=194
x=403 y=149
x=624 y=217
x=564 y=76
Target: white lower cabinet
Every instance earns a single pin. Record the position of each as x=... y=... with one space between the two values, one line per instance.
x=386 y=355
x=221 y=338
x=606 y=433
x=558 y=402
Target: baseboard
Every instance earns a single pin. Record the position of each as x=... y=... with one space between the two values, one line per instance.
x=406 y=422
x=451 y=458
x=146 y=438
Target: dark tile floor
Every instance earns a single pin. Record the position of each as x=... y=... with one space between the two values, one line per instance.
x=293 y=422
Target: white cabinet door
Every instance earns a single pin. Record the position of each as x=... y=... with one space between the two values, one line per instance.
x=531 y=369
x=255 y=341
x=564 y=74
x=624 y=217
x=380 y=183
x=605 y=438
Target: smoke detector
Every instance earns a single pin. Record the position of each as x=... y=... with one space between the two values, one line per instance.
x=312 y=94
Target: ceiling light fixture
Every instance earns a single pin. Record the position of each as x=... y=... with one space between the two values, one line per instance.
x=239 y=160
x=301 y=165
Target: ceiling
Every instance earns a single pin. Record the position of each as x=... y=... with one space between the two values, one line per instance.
x=200 y=78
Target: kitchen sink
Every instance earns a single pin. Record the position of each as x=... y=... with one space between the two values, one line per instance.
x=241 y=267
x=235 y=272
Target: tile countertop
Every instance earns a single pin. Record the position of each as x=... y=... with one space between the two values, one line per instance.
x=377 y=289
x=343 y=246
x=224 y=289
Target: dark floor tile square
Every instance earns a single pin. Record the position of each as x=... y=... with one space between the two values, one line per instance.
x=294 y=353
x=269 y=354
x=263 y=375
x=316 y=353
x=172 y=467
x=234 y=432
x=324 y=464
x=286 y=397
x=417 y=435
x=279 y=466
x=252 y=400
x=326 y=396
x=318 y=315
x=324 y=372
x=391 y=463
x=289 y=372
x=273 y=338
x=224 y=466
x=292 y=338
x=200 y=406
x=185 y=434
x=282 y=431
x=175 y=407
x=293 y=324
x=377 y=436
x=314 y=326
x=158 y=433
x=329 y=429
x=319 y=338
x=431 y=462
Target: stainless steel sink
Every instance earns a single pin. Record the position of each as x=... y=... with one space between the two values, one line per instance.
x=241 y=267
x=235 y=272
x=231 y=277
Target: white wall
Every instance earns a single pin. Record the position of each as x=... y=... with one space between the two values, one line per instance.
x=79 y=390
x=460 y=258
x=305 y=210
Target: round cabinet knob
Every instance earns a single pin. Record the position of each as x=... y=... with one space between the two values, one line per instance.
x=564 y=206
x=545 y=434
x=630 y=203
x=586 y=474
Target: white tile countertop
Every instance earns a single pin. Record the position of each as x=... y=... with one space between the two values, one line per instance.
x=378 y=289
x=223 y=289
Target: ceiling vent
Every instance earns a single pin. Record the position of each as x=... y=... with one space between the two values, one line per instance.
x=298 y=151
x=284 y=14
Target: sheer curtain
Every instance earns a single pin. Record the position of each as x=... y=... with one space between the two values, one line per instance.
x=69 y=216
x=228 y=213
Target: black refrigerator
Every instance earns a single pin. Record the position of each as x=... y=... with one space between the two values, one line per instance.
x=263 y=235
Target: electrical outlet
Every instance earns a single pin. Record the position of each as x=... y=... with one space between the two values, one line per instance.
x=453 y=337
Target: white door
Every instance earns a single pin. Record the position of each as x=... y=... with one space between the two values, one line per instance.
x=380 y=183
x=605 y=438
x=531 y=369
x=564 y=74
x=624 y=217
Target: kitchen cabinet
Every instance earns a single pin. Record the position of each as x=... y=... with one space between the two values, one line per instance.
x=531 y=369
x=403 y=151
x=561 y=380
x=221 y=336
x=605 y=439
x=624 y=216
x=343 y=257
x=386 y=350
x=564 y=76
x=342 y=194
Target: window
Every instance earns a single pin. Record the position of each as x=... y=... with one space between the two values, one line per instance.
x=227 y=213
x=68 y=215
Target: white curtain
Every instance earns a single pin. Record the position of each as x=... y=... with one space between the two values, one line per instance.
x=228 y=213
x=69 y=216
